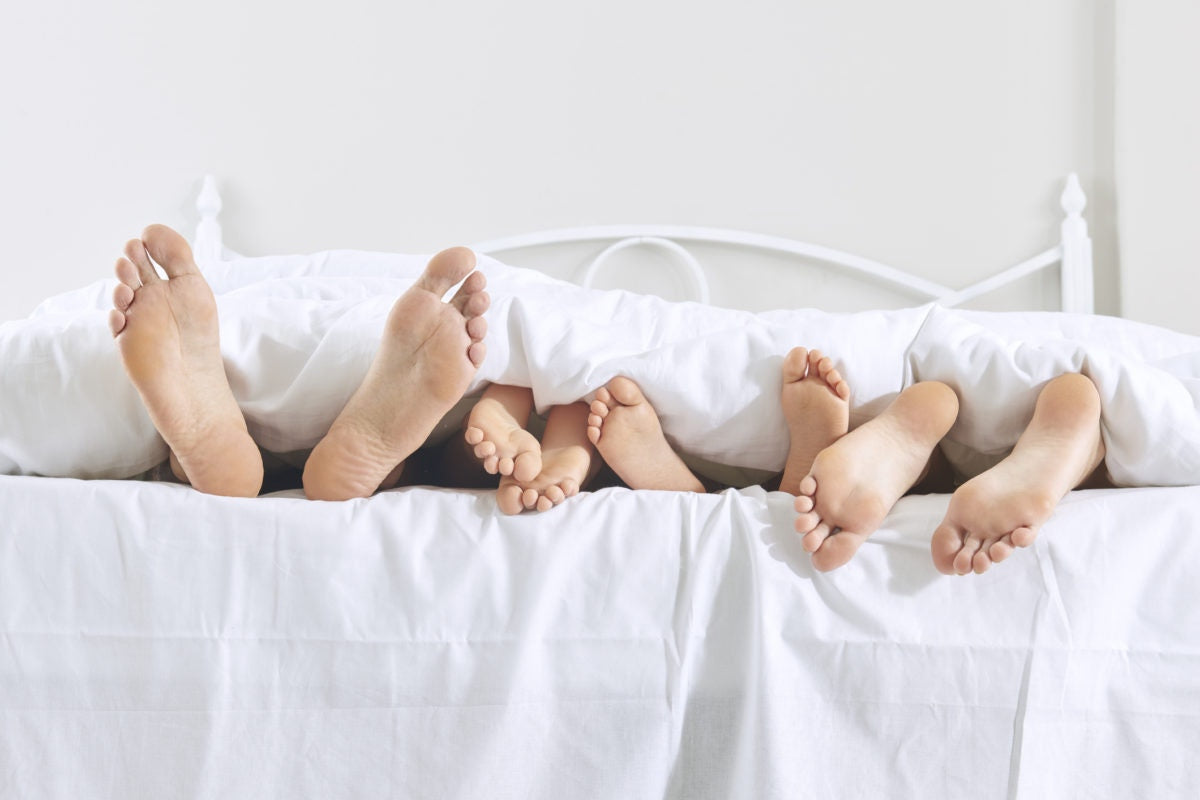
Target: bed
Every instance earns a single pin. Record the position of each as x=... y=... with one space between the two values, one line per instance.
x=163 y=643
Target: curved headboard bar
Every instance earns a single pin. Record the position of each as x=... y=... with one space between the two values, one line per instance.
x=1073 y=253
x=760 y=241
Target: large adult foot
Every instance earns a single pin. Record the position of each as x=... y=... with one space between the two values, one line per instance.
x=1002 y=509
x=167 y=334
x=428 y=354
x=497 y=435
x=816 y=405
x=855 y=482
x=625 y=429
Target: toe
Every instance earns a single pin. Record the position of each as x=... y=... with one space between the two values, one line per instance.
x=1023 y=537
x=446 y=269
x=505 y=466
x=529 y=498
x=598 y=408
x=127 y=274
x=808 y=485
x=625 y=391
x=593 y=434
x=814 y=538
x=526 y=466
x=475 y=305
x=604 y=398
x=477 y=352
x=795 y=365
x=837 y=549
x=491 y=465
x=116 y=321
x=473 y=436
x=477 y=328
x=170 y=250
x=555 y=494
x=1002 y=549
x=802 y=504
x=806 y=521
x=945 y=546
x=508 y=498
x=135 y=251
x=485 y=448
x=570 y=487
x=965 y=557
x=544 y=503
x=471 y=289
x=122 y=297
x=981 y=562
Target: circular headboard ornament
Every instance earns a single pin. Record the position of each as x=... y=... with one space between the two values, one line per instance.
x=691 y=267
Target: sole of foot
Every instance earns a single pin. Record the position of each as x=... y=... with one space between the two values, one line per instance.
x=626 y=430
x=1002 y=509
x=855 y=482
x=816 y=406
x=167 y=334
x=496 y=433
x=427 y=356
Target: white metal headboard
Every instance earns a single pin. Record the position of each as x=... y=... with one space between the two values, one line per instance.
x=1073 y=253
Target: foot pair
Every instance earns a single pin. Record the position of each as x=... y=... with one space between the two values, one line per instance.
x=167 y=333
x=855 y=482
x=534 y=476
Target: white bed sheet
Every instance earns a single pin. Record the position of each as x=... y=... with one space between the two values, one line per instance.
x=161 y=643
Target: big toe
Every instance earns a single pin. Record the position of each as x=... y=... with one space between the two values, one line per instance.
x=508 y=498
x=795 y=365
x=945 y=546
x=625 y=391
x=837 y=550
x=526 y=466
x=169 y=249
x=446 y=269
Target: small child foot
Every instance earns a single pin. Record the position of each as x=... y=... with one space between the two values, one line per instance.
x=426 y=358
x=625 y=429
x=496 y=432
x=855 y=482
x=816 y=406
x=167 y=334
x=1002 y=509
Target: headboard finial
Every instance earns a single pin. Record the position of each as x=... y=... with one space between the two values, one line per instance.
x=208 y=246
x=1073 y=199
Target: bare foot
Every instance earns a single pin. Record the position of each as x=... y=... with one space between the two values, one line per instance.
x=425 y=361
x=855 y=482
x=817 y=408
x=166 y=331
x=496 y=431
x=625 y=429
x=566 y=457
x=1003 y=508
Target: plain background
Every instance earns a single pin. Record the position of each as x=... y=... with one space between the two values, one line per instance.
x=933 y=135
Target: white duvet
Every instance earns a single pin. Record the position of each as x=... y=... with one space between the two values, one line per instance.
x=298 y=333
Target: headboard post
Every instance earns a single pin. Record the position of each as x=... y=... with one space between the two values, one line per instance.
x=1077 y=288
x=208 y=247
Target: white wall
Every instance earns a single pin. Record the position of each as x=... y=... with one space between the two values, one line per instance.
x=1158 y=160
x=933 y=134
